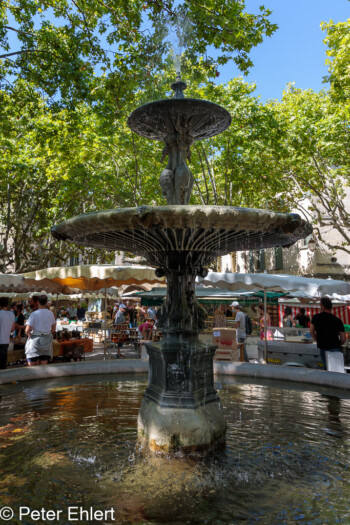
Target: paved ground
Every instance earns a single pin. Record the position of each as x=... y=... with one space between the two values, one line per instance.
x=98 y=353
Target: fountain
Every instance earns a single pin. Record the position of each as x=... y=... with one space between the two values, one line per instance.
x=180 y=409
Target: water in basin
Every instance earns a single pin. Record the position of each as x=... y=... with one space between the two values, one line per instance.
x=74 y=442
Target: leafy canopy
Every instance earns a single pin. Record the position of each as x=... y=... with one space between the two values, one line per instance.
x=338 y=52
x=76 y=50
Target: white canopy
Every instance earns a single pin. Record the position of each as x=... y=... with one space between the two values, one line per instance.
x=19 y=284
x=10 y=282
x=95 y=277
x=277 y=283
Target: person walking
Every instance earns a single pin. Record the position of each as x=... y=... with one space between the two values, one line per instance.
x=241 y=335
x=141 y=315
x=327 y=330
x=80 y=312
x=33 y=303
x=151 y=313
x=119 y=320
x=40 y=328
x=20 y=321
x=7 y=325
x=72 y=312
x=132 y=315
x=120 y=315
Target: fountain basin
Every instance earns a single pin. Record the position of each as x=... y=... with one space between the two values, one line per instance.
x=213 y=230
x=200 y=119
x=139 y=367
x=74 y=442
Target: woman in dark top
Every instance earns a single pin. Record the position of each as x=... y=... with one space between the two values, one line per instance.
x=287 y=319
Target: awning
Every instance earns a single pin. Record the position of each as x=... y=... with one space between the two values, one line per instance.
x=277 y=283
x=95 y=277
x=206 y=295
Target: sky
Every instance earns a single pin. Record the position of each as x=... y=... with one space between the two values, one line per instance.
x=295 y=52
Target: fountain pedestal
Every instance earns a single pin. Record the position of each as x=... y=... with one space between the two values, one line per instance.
x=180 y=409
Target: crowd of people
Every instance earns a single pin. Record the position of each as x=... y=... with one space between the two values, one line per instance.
x=32 y=324
x=72 y=312
x=36 y=321
x=145 y=320
x=133 y=315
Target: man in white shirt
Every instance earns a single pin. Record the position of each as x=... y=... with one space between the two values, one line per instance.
x=241 y=335
x=7 y=325
x=40 y=328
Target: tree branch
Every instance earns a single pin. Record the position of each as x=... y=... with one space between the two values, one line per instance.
x=211 y=175
x=19 y=31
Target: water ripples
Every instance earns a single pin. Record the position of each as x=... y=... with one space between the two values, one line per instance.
x=286 y=459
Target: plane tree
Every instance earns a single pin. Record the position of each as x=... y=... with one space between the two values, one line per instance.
x=78 y=50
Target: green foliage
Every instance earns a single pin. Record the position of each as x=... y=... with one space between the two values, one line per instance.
x=315 y=158
x=57 y=165
x=78 y=50
x=74 y=153
x=237 y=167
x=338 y=42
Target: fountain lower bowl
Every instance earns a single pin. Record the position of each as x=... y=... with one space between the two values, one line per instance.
x=286 y=458
x=215 y=230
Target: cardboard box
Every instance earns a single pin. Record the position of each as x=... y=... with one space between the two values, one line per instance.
x=224 y=333
x=227 y=355
x=225 y=338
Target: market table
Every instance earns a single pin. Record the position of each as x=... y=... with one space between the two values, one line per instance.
x=70 y=327
x=60 y=346
x=288 y=352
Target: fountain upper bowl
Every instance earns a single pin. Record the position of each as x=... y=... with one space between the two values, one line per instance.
x=199 y=119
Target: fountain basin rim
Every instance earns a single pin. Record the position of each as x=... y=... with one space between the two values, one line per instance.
x=201 y=232
x=178 y=216
x=306 y=376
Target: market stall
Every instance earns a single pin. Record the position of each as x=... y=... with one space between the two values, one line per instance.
x=340 y=309
x=308 y=287
x=66 y=349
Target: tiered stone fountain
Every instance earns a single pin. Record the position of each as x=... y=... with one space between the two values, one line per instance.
x=180 y=409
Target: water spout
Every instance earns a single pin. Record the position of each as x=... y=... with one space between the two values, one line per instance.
x=179 y=86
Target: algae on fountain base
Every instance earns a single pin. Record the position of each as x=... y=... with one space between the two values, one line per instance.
x=183 y=430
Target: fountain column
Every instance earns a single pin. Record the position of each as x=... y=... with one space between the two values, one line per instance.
x=181 y=409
